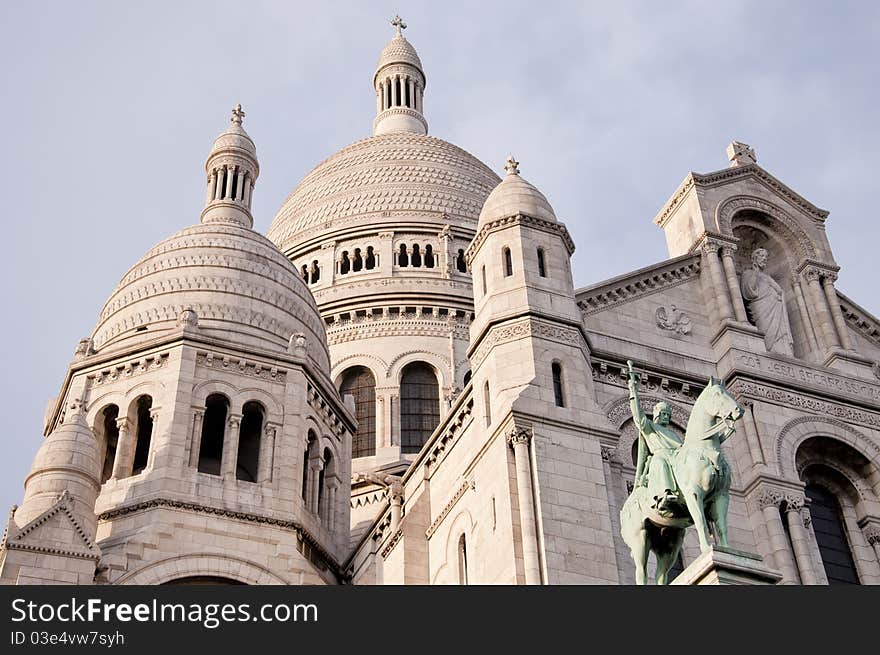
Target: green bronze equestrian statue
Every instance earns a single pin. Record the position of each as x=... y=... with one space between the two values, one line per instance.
x=678 y=483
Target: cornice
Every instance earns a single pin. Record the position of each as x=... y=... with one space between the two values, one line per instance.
x=247 y=517
x=518 y=219
x=638 y=284
x=726 y=175
x=860 y=319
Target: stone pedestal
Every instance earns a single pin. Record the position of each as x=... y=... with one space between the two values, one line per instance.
x=726 y=566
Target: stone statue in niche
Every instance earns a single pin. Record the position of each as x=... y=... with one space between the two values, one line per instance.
x=765 y=304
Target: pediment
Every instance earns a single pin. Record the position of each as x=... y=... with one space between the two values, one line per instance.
x=54 y=531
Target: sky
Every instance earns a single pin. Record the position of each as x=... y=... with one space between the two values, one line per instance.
x=112 y=107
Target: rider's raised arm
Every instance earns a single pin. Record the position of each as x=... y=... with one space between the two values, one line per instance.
x=639 y=417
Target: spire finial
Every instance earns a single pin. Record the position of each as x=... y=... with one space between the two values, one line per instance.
x=512 y=166
x=399 y=24
x=237 y=114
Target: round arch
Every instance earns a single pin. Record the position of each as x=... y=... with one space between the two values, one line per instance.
x=802 y=428
x=462 y=524
x=785 y=227
x=201 y=564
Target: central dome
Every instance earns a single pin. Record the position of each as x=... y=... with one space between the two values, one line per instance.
x=399 y=173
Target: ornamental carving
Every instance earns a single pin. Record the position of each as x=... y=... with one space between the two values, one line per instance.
x=605 y=296
x=673 y=319
x=525 y=328
x=129 y=369
x=449 y=505
x=240 y=366
x=769 y=498
x=519 y=436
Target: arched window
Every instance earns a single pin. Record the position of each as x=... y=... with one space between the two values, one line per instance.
x=316 y=271
x=419 y=406
x=483 y=275
x=360 y=383
x=370 y=262
x=325 y=499
x=487 y=403
x=542 y=269
x=249 y=437
x=345 y=263
x=309 y=492
x=109 y=439
x=403 y=258
x=467 y=378
x=143 y=434
x=508 y=262
x=830 y=533
x=429 y=256
x=462 y=560
x=358 y=262
x=460 y=263
x=213 y=431
x=416 y=259
x=558 y=395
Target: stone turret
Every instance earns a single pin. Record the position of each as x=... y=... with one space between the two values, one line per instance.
x=57 y=517
x=399 y=82
x=232 y=170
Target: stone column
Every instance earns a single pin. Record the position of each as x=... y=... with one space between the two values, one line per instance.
x=836 y=314
x=380 y=421
x=395 y=495
x=816 y=554
x=446 y=256
x=242 y=186
x=267 y=454
x=799 y=539
x=821 y=306
x=379 y=92
x=752 y=438
x=329 y=517
x=124 y=448
x=154 y=418
x=316 y=465
x=769 y=501
x=710 y=257
x=196 y=439
x=393 y=413
x=419 y=98
x=519 y=440
x=412 y=92
x=806 y=320
x=394 y=91
x=229 y=459
x=248 y=188
x=212 y=181
x=739 y=308
x=221 y=175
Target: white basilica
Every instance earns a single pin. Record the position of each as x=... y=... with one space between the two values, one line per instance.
x=400 y=383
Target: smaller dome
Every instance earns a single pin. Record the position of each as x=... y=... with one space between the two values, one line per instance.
x=399 y=51
x=234 y=138
x=515 y=196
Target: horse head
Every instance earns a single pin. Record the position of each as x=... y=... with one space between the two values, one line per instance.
x=714 y=408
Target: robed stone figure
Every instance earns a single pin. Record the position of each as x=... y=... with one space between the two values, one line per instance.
x=657 y=445
x=765 y=304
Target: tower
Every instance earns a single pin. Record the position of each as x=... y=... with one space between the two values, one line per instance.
x=532 y=383
x=400 y=87
x=378 y=231
x=198 y=436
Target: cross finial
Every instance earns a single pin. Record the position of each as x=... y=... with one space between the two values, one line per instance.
x=398 y=23
x=512 y=166
x=237 y=114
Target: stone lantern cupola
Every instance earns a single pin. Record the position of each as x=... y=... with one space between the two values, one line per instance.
x=400 y=87
x=232 y=170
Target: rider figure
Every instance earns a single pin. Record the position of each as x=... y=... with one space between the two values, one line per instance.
x=661 y=443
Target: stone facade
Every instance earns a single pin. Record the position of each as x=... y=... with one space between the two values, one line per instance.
x=203 y=431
